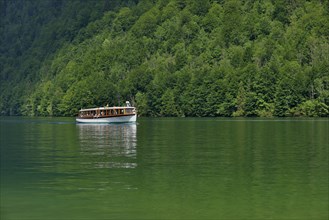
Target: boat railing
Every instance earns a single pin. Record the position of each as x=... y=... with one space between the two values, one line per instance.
x=97 y=113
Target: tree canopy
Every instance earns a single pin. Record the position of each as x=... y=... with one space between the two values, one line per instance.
x=168 y=57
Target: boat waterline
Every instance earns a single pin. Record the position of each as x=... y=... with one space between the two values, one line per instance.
x=118 y=119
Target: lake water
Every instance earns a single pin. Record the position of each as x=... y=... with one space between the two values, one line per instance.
x=185 y=168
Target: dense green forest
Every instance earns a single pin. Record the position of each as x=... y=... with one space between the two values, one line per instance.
x=168 y=57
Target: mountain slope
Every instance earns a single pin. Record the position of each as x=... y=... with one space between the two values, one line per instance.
x=172 y=58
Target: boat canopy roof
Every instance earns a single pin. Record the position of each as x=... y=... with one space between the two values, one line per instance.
x=105 y=108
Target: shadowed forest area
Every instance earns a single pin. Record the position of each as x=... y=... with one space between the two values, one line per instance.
x=199 y=58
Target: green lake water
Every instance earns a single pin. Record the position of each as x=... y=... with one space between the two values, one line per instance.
x=185 y=168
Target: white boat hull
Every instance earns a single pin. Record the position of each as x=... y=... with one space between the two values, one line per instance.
x=119 y=119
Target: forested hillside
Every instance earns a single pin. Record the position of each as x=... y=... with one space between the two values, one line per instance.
x=169 y=57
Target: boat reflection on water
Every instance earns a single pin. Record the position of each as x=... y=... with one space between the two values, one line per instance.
x=108 y=145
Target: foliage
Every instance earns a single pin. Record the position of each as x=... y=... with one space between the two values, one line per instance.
x=169 y=57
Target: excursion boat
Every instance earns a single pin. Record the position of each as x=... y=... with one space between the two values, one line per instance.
x=107 y=114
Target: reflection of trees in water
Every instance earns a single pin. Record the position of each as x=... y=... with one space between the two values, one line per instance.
x=108 y=146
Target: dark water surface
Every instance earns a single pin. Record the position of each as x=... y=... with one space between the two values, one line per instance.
x=52 y=168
